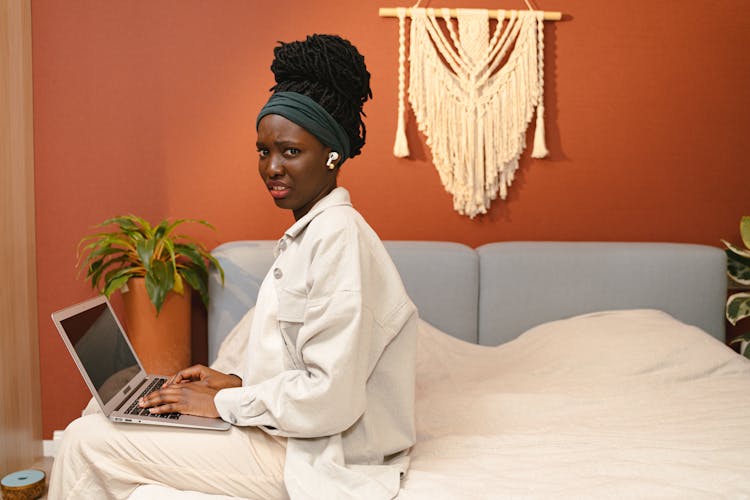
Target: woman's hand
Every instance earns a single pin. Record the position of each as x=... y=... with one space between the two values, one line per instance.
x=205 y=376
x=190 y=398
x=190 y=391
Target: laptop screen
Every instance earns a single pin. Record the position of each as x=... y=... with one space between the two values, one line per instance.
x=102 y=349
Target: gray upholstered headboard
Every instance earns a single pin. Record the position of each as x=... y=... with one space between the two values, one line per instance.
x=523 y=284
x=494 y=293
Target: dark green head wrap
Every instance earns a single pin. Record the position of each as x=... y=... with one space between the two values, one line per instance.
x=311 y=116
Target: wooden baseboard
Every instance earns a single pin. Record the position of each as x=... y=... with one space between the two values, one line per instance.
x=49 y=446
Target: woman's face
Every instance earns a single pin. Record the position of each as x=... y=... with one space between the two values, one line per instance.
x=292 y=164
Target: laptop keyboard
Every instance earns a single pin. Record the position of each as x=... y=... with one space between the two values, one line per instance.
x=134 y=409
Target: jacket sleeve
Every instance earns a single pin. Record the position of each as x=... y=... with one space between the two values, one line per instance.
x=325 y=395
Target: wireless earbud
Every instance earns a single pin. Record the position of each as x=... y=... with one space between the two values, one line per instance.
x=332 y=157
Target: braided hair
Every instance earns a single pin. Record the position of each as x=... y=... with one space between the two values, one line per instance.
x=329 y=70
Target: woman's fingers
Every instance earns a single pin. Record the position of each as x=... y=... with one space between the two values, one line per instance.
x=190 y=374
x=167 y=408
x=188 y=398
x=210 y=378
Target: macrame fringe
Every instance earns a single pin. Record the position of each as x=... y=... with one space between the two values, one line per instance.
x=401 y=145
x=540 y=142
x=473 y=112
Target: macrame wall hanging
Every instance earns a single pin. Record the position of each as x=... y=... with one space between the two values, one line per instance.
x=473 y=95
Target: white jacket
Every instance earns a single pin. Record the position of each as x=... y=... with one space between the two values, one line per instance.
x=331 y=358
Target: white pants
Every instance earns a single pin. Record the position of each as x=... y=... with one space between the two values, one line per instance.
x=101 y=459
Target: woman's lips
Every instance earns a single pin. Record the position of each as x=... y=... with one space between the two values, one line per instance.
x=278 y=191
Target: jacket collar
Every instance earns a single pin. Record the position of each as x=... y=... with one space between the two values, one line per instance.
x=339 y=196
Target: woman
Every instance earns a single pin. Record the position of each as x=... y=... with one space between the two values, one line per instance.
x=324 y=406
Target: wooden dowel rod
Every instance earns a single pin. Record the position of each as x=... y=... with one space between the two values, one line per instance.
x=391 y=12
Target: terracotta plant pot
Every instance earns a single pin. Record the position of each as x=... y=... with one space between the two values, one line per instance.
x=162 y=342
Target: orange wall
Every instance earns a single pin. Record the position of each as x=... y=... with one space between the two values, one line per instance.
x=148 y=106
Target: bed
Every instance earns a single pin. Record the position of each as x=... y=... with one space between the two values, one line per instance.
x=555 y=370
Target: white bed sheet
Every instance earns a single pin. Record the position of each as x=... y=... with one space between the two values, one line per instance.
x=625 y=404
x=621 y=404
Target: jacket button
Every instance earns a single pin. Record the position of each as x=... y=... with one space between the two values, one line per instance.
x=282 y=245
x=277 y=273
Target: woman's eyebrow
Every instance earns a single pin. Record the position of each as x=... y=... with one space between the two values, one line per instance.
x=287 y=142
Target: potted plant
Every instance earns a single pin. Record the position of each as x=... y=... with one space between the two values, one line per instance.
x=738 y=270
x=155 y=268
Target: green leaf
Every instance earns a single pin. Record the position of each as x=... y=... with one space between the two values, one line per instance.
x=170 y=249
x=199 y=256
x=197 y=279
x=129 y=271
x=739 y=272
x=159 y=282
x=117 y=282
x=115 y=285
x=173 y=225
x=127 y=223
x=192 y=253
x=178 y=238
x=196 y=221
x=94 y=271
x=102 y=246
x=189 y=240
x=101 y=252
x=95 y=240
x=96 y=275
x=178 y=286
x=739 y=340
x=217 y=266
x=744 y=337
x=196 y=271
x=161 y=230
x=145 y=250
x=738 y=307
x=142 y=225
x=205 y=223
x=736 y=253
x=745 y=230
x=161 y=239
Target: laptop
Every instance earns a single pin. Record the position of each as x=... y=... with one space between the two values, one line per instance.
x=111 y=369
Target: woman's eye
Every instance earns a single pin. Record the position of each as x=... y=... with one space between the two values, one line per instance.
x=262 y=152
x=292 y=151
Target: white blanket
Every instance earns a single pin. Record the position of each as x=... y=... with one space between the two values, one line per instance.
x=625 y=404
x=616 y=404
